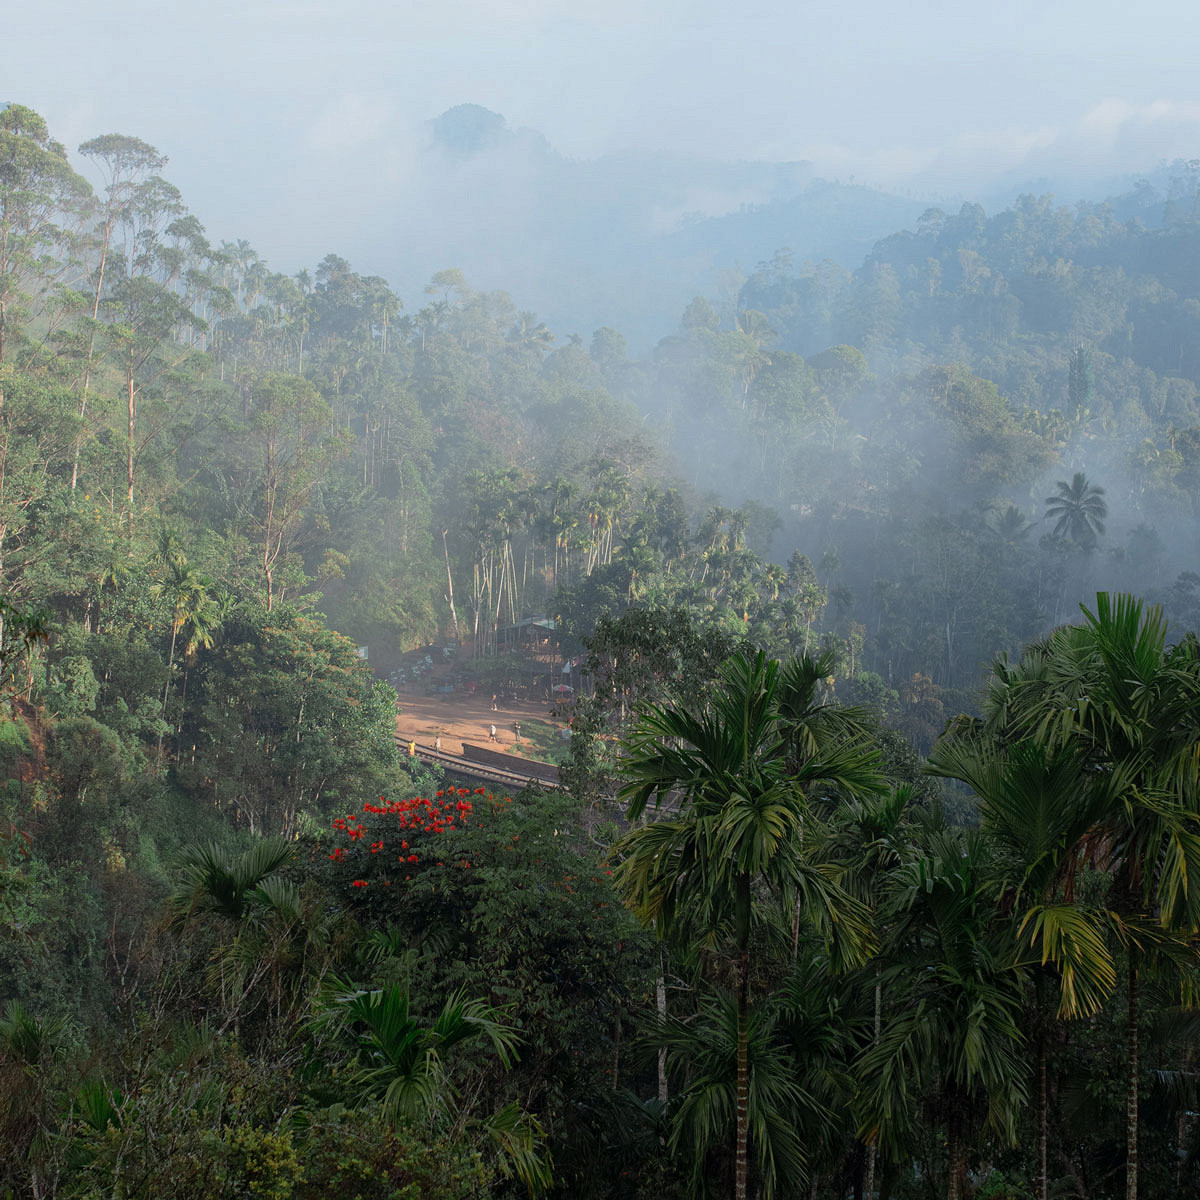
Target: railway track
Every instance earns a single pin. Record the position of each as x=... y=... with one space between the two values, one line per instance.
x=487 y=772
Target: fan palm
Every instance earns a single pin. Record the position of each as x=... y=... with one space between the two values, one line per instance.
x=278 y=936
x=401 y=1064
x=216 y=881
x=30 y=1047
x=735 y=833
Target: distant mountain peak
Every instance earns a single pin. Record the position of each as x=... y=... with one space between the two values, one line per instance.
x=469 y=129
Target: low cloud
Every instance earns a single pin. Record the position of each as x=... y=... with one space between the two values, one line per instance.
x=351 y=121
x=1110 y=139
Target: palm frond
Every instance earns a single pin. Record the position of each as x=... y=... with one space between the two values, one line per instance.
x=520 y=1145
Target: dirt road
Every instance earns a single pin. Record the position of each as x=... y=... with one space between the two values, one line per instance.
x=465 y=718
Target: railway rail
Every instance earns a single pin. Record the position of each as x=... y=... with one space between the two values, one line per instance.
x=488 y=770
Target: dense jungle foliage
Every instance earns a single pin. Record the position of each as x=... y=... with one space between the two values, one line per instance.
x=837 y=903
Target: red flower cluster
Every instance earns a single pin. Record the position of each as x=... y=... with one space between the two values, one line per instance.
x=434 y=816
x=447 y=810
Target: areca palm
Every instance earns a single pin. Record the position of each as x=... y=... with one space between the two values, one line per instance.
x=955 y=1043
x=1039 y=808
x=826 y=742
x=1114 y=691
x=704 y=1050
x=870 y=833
x=734 y=834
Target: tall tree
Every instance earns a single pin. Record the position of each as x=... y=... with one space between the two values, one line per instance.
x=953 y=1045
x=289 y=432
x=1113 y=689
x=1079 y=382
x=732 y=836
x=187 y=594
x=1040 y=810
x=1078 y=510
x=42 y=204
x=125 y=162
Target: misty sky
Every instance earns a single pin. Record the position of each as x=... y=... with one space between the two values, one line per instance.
x=278 y=113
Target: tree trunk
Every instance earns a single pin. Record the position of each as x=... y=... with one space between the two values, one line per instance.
x=660 y=996
x=87 y=374
x=167 y=685
x=1183 y=1157
x=450 y=585
x=129 y=445
x=872 y=1149
x=1043 y=1111
x=956 y=1152
x=616 y=1067
x=741 y=1157
x=1131 y=1092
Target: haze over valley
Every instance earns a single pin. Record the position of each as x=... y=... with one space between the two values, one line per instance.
x=599 y=603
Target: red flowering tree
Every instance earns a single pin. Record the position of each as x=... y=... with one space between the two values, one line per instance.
x=393 y=841
x=504 y=898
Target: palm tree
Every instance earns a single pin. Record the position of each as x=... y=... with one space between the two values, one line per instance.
x=1039 y=808
x=1078 y=510
x=281 y=935
x=733 y=837
x=402 y=1064
x=1130 y=704
x=30 y=1047
x=528 y=333
x=1009 y=524
x=954 y=1044
x=187 y=594
x=818 y=731
x=214 y=880
x=750 y=335
x=203 y=617
x=557 y=518
x=704 y=1050
x=870 y=832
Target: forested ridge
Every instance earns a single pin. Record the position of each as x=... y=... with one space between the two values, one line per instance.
x=874 y=871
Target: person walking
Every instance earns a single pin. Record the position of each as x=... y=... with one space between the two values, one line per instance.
x=495 y=707
x=493 y=734
x=412 y=749
x=437 y=744
x=517 y=730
